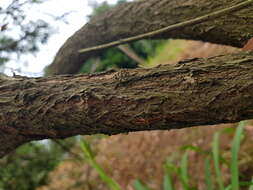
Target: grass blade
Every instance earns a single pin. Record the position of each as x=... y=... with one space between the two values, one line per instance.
x=216 y=159
x=229 y=187
x=208 y=176
x=183 y=171
x=91 y=160
x=251 y=186
x=167 y=180
x=235 y=152
x=139 y=186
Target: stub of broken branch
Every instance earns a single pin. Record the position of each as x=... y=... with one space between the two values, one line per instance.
x=249 y=45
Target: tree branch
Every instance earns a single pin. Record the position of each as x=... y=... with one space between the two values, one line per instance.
x=190 y=93
x=136 y=18
x=176 y=26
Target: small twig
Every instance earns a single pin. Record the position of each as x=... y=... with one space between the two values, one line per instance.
x=13 y=44
x=171 y=27
x=126 y=49
x=65 y=148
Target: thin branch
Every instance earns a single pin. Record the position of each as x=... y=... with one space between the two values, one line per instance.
x=67 y=149
x=171 y=27
x=131 y=54
x=13 y=44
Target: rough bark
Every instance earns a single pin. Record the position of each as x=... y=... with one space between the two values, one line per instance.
x=139 y=17
x=190 y=93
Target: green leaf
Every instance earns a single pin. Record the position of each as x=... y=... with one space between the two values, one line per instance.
x=183 y=171
x=208 y=176
x=139 y=186
x=235 y=152
x=91 y=160
x=229 y=187
x=87 y=150
x=251 y=186
x=216 y=159
x=194 y=148
x=167 y=180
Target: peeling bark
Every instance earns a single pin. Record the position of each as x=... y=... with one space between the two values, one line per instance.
x=139 y=17
x=191 y=93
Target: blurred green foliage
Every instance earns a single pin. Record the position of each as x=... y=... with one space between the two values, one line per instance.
x=29 y=166
x=114 y=57
x=172 y=171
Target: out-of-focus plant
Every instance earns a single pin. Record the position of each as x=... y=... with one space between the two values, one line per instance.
x=90 y=158
x=29 y=167
x=118 y=57
x=213 y=180
x=19 y=34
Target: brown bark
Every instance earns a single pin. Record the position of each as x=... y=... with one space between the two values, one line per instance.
x=190 y=93
x=139 y=17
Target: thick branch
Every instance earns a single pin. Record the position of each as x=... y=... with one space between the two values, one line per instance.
x=140 y=17
x=177 y=26
x=190 y=93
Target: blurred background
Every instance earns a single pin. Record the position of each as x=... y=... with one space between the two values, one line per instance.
x=31 y=32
